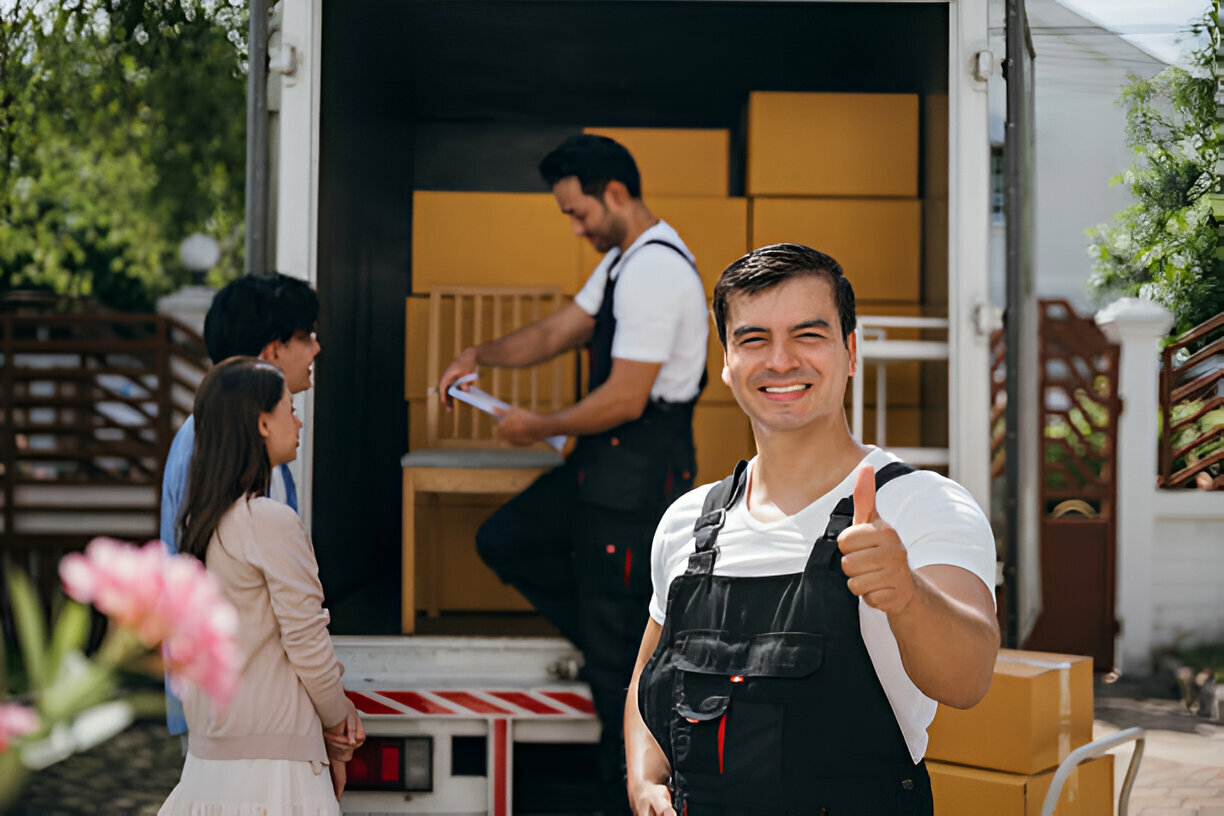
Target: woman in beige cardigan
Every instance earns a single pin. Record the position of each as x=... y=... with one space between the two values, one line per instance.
x=266 y=751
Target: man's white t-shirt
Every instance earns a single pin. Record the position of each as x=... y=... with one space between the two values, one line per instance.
x=937 y=520
x=660 y=311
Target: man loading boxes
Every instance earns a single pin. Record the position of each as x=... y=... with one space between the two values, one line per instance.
x=576 y=542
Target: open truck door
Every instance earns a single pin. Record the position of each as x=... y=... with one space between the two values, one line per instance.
x=282 y=168
x=1022 y=568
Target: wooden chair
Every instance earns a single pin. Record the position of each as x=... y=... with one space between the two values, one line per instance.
x=463 y=453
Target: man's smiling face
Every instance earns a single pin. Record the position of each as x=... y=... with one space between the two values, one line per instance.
x=786 y=361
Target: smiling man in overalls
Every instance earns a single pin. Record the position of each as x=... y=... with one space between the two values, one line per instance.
x=811 y=610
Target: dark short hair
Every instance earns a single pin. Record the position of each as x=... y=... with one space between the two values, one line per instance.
x=770 y=265
x=595 y=160
x=251 y=312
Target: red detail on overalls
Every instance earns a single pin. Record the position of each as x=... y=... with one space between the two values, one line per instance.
x=667 y=486
x=610 y=549
x=628 y=564
x=737 y=678
x=722 y=739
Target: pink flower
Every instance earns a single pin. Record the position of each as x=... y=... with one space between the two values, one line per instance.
x=165 y=599
x=15 y=720
x=122 y=581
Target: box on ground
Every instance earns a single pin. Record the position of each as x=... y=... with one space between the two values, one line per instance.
x=1038 y=709
x=962 y=791
x=682 y=162
x=832 y=144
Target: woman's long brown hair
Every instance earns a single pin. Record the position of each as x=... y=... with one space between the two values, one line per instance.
x=229 y=460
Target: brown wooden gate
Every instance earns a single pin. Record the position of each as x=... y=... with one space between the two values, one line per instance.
x=1080 y=407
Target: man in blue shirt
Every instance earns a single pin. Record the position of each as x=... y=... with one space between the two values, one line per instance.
x=273 y=319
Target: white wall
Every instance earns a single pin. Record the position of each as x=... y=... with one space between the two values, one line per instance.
x=1080 y=138
x=1170 y=543
x=1188 y=568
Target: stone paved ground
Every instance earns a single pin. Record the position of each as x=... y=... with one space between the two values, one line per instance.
x=130 y=775
x=1182 y=769
x=1181 y=774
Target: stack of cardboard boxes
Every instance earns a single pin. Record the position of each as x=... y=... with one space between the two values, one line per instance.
x=1000 y=756
x=839 y=172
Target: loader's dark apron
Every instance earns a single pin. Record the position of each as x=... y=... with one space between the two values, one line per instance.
x=634 y=470
x=761 y=691
x=627 y=477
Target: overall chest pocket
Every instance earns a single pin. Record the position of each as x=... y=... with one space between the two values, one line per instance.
x=729 y=723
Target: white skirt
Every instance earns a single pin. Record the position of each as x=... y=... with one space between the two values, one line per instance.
x=252 y=787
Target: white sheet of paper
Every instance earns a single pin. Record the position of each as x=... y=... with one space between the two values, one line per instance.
x=484 y=401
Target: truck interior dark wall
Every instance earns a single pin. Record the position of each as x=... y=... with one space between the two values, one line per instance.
x=469 y=96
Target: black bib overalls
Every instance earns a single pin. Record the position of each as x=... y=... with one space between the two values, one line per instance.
x=761 y=691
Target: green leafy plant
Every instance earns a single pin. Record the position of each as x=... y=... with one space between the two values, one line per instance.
x=122 y=131
x=151 y=598
x=1163 y=247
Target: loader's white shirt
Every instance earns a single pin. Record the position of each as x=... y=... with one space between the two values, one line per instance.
x=660 y=311
x=937 y=520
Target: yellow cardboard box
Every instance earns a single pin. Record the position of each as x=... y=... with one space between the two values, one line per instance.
x=878 y=242
x=714 y=229
x=492 y=239
x=676 y=162
x=962 y=791
x=832 y=144
x=722 y=436
x=1038 y=709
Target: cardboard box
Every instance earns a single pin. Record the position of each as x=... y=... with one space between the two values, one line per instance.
x=714 y=229
x=723 y=436
x=878 y=242
x=963 y=791
x=676 y=162
x=492 y=239
x=716 y=391
x=832 y=144
x=1038 y=709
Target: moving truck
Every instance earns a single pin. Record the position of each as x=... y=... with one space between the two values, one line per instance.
x=858 y=127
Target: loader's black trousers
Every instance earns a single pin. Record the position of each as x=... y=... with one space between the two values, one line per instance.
x=576 y=542
x=585 y=566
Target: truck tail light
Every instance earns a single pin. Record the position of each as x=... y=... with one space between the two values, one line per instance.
x=392 y=763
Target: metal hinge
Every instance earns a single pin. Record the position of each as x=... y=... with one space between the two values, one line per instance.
x=983 y=65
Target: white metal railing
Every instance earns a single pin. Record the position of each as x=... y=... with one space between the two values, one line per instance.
x=1091 y=751
x=876 y=349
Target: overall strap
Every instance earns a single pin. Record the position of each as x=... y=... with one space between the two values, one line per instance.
x=843 y=515
x=713 y=516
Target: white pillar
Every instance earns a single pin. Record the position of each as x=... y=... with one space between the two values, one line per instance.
x=189 y=305
x=1137 y=326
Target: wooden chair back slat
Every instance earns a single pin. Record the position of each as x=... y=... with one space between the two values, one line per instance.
x=461 y=316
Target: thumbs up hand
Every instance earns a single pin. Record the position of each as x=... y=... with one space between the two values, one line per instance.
x=873 y=557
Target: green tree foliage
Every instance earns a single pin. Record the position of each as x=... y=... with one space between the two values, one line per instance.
x=122 y=131
x=1164 y=246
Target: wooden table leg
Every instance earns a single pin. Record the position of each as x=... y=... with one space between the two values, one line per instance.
x=408 y=556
